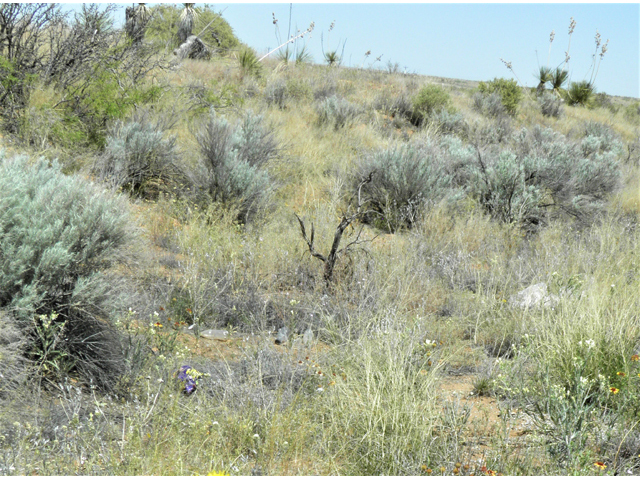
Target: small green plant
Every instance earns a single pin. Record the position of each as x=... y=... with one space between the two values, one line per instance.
x=248 y=62
x=430 y=100
x=332 y=57
x=510 y=93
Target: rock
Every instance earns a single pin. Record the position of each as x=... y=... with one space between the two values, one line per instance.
x=193 y=48
x=281 y=337
x=220 y=335
x=535 y=296
x=307 y=337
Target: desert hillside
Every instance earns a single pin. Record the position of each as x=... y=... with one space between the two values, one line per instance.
x=212 y=264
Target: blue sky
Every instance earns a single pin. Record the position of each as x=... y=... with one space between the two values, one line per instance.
x=464 y=41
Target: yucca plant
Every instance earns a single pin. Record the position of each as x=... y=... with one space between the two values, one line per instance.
x=249 y=63
x=559 y=78
x=580 y=93
x=544 y=76
x=187 y=21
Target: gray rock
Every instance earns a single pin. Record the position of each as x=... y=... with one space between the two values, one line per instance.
x=220 y=335
x=535 y=296
x=307 y=338
x=281 y=337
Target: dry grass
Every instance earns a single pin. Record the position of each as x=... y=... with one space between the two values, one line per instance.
x=448 y=280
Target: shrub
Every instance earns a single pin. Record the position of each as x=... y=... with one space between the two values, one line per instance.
x=580 y=93
x=59 y=236
x=428 y=101
x=550 y=105
x=139 y=157
x=275 y=93
x=336 y=111
x=599 y=138
x=233 y=158
x=632 y=113
x=544 y=173
x=450 y=123
x=404 y=178
x=399 y=105
x=509 y=92
x=488 y=105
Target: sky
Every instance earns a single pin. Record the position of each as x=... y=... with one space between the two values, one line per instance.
x=456 y=40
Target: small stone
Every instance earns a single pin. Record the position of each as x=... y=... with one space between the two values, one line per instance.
x=535 y=296
x=281 y=337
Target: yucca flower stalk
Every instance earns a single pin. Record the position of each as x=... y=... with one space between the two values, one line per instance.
x=572 y=27
x=292 y=39
x=596 y=62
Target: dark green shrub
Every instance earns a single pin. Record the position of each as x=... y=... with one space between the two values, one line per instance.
x=233 y=160
x=580 y=93
x=139 y=158
x=59 y=236
x=510 y=93
x=550 y=105
x=405 y=177
x=336 y=111
x=430 y=100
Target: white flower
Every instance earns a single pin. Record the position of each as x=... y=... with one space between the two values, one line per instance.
x=590 y=344
x=156 y=314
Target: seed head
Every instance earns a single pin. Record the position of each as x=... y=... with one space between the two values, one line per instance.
x=604 y=48
x=552 y=36
x=572 y=26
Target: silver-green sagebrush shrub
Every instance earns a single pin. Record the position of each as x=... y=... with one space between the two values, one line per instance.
x=275 y=93
x=139 y=158
x=337 y=112
x=543 y=174
x=233 y=159
x=59 y=235
x=550 y=105
x=404 y=178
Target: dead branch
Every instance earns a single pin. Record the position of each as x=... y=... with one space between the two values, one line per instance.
x=346 y=220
